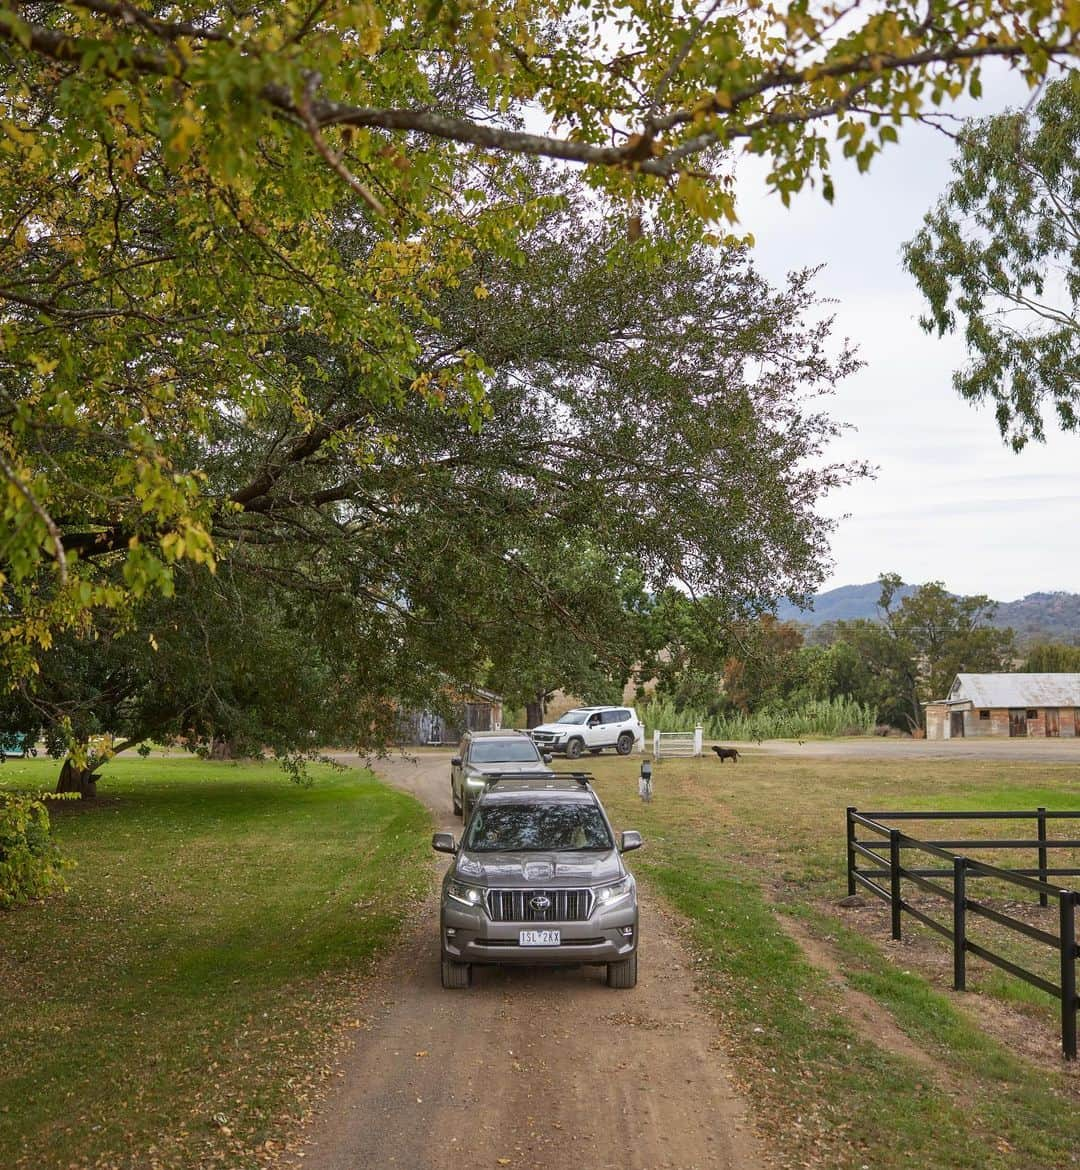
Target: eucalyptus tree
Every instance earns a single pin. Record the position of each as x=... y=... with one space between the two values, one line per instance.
x=920 y=643
x=998 y=260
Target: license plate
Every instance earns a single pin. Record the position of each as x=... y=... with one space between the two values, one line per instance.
x=539 y=938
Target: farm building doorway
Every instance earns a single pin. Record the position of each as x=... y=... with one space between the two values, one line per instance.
x=1017 y=721
x=1053 y=722
x=956 y=724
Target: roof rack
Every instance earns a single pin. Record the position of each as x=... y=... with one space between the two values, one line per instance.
x=583 y=778
x=495 y=777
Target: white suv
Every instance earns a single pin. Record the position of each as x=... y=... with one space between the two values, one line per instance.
x=592 y=729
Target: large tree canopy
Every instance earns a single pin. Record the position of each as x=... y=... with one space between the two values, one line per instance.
x=650 y=416
x=998 y=259
x=177 y=181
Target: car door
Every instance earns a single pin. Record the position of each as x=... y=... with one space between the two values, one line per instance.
x=457 y=771
x=594 y=730
x=620 y=722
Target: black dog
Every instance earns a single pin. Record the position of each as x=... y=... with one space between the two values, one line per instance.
x=727 y=754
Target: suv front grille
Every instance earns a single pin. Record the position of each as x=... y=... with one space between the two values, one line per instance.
x=518 y=905
x=544 y=736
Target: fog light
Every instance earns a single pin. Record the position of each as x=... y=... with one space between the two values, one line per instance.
x=627 y=931
x=450 y=932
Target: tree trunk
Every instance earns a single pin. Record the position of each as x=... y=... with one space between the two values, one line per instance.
x=534 y=711
x=222 y=749
x=80 y=780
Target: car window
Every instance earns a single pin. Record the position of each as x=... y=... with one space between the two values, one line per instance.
x=617 y=716
x=549 y=827
x=504 y=751
x=573 y=717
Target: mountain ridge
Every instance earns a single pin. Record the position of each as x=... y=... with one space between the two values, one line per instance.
x=1053 y=615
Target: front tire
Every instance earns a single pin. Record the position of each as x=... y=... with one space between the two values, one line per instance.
x=455 y=976
x=623 y=974
x=625 y=744
x=573 y=749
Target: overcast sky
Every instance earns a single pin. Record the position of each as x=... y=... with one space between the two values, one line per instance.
x=950 y=502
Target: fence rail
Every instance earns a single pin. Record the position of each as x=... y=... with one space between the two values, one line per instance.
x=961 y=869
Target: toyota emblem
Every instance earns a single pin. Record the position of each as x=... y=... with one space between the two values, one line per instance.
x=540 y=902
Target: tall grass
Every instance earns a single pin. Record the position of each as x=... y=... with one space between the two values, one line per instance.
x=827 y=717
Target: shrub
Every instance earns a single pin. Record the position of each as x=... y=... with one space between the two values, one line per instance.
x=30 y=863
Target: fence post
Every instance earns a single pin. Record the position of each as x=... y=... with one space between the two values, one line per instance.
x=894 y=879
x=656 y=744
x=1040 y=814
x=850 y=851
x=697 y=739
x=959 y=924
x=1067 y=907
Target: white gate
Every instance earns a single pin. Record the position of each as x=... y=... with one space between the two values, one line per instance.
x=668 y=745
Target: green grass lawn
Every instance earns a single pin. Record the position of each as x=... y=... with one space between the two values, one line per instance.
x=170 y=1009
x=740 y=848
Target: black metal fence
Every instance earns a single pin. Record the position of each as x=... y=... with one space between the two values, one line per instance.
x=961 y=870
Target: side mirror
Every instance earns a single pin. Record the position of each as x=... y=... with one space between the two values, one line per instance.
x=546 y=757
x=445 y=843
x=455 y=762
x=631 y=839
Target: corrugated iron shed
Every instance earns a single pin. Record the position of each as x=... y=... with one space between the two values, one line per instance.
x=1016 y=690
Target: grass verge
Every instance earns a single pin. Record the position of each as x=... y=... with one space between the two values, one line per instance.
x=171 y=1009
x=736 y=849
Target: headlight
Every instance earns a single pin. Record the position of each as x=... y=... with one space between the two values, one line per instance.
x=475 y=781
x=466 y=895
x=609 y=895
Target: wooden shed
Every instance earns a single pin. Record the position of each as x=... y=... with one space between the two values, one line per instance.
x=470 y=709
x=1007 y=705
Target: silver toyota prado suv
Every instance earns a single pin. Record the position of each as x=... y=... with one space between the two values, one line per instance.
x=537 y=878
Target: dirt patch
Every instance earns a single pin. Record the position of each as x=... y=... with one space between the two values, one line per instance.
x=530 y=1067
x=865 y=1014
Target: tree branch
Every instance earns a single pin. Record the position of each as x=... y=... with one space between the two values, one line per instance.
x=865 y=67
x=13 y=477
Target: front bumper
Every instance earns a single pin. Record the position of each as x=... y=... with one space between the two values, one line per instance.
x=469 y=936
x=550 y=745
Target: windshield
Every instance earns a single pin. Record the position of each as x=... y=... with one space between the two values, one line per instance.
x=531 y=828
x=504 y=751
x=573 y=717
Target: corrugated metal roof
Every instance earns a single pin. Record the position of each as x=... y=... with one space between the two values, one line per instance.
x=1017 y=690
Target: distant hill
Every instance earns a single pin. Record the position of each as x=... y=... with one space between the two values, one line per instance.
x=1042 y=617
x=843 y=604
x=1036 y=617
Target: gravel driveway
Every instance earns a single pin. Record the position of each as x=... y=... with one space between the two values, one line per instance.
x=530 y=1067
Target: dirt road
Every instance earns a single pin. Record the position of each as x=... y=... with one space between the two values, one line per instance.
x=1039 y=751
x=530 y=1068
